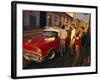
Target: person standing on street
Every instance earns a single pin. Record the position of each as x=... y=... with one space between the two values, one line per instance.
x=63 y=35
x=72 y=38
x=80 y=44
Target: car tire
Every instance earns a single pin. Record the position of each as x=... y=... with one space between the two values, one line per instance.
x=52 y=54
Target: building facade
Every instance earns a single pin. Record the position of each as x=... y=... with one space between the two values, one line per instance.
x=58 y=19
x=41 y=19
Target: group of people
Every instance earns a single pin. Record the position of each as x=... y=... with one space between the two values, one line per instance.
x=78 y=41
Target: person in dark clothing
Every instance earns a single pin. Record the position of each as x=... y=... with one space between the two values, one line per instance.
x=86 y=48
x=84 y=45
x=84 y=40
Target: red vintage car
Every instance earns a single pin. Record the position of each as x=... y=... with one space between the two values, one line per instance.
x=45 y=46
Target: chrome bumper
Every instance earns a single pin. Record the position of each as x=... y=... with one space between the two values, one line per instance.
x=32 y=57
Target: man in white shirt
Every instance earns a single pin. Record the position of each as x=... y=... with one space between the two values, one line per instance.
x=63 y=36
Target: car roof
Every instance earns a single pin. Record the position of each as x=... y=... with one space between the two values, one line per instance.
x=56 y=29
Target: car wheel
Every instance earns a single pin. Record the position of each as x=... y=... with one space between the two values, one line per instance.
x=52 y=54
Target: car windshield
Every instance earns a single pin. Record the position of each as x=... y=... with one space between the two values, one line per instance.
x=50 y=34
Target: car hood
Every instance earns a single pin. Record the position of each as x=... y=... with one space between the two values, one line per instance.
x=40 y=41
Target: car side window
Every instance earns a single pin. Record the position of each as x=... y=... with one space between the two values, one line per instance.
x=55 y=34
